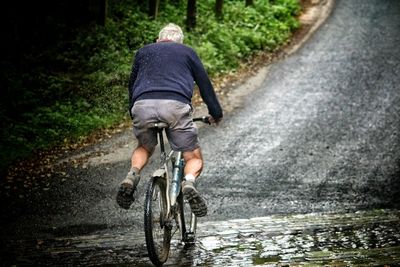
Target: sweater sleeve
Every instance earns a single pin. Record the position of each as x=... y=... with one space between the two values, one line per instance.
x=207 y=92
x=132 y=79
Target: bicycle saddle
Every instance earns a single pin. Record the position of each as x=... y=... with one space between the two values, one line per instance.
x=158 y=125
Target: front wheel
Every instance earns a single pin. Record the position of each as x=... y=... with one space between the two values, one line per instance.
x=156 y=226
x=188 y=221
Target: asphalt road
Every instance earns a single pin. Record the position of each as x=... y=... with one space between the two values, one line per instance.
x=321 y=134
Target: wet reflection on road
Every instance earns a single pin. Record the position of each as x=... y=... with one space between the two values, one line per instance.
x=360 y=238
x=371 y=237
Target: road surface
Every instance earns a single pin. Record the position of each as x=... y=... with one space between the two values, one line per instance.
x=320 y=135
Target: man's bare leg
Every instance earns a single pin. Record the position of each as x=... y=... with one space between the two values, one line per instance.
x=194 y=162
x=139 y=159
x=193 y=168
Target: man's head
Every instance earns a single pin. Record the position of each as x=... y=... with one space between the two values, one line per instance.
x=171 y=32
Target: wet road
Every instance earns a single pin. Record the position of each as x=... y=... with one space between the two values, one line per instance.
x=321 y=134
x=352 y=239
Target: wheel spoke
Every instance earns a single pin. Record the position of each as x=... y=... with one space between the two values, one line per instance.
x=188 y=222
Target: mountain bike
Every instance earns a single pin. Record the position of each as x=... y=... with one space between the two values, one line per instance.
x=165 y=210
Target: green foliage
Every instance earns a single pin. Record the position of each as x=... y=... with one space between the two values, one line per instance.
x=222 y=44
x=67 y=90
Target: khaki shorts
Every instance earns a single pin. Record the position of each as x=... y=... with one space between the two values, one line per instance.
x=182 y=133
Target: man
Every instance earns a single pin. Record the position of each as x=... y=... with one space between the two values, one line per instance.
x=160 y=89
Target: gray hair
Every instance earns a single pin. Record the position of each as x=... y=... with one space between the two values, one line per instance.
x=171 y=32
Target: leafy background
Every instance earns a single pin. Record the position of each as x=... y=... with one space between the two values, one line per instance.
x=71 y=81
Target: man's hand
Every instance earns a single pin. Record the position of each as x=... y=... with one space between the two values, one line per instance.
x=214 y=120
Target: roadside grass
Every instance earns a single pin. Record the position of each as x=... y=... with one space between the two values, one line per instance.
x=78 y=85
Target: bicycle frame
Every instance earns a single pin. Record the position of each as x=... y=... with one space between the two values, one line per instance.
x=165 y=206
x=173 y=187
x=174 y=182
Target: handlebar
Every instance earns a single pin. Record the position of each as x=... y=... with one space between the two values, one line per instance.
x=204 y=119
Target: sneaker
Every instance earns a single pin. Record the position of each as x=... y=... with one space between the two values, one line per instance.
x=196 y=202
x=126 y=189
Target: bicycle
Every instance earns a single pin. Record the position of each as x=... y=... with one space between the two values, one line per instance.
x=165 y=210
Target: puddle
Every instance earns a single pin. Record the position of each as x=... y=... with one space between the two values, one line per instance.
x=353 y=239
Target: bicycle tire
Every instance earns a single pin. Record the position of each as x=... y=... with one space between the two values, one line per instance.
x=157 y=233
x=186 y=217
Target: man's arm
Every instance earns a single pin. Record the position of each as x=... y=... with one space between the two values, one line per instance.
x=207 y=92
x=132 y=79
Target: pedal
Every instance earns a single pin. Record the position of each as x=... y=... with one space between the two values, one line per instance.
x=189 y=239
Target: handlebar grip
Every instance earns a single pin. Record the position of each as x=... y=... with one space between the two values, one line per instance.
x=204 y=119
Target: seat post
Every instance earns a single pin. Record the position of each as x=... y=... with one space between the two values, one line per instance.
x=162 y=148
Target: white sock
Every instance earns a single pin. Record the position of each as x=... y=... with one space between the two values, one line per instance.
x=134 y=171
x=190 y=178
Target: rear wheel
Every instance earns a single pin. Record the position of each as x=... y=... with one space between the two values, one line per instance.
x=156 y=227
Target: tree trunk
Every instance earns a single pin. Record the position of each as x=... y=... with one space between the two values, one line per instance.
x=98 y=11
x=249 y=2
x=218 y=8
x=191 y=15
x=153 y=8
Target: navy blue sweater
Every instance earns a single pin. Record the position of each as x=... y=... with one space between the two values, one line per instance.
x=168 y=70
